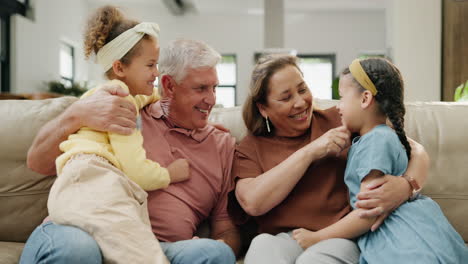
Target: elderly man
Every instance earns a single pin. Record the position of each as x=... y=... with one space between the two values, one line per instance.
x=175 y=127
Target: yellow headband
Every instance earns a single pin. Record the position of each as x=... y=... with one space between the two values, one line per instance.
x=361 y=76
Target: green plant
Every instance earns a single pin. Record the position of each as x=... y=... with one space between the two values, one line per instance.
x=461 y=93
x=335 y=84
x=58 y=87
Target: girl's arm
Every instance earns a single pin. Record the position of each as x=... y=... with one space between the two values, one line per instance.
x=103 y=111
x=260 y=194
x=385 y=194
x=349 y=227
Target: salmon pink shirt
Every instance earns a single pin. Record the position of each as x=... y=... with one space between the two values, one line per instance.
x=176 y=211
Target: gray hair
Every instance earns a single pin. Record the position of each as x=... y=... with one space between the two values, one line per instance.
x=183 y=54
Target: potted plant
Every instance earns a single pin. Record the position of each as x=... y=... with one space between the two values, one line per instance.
x=74 y=90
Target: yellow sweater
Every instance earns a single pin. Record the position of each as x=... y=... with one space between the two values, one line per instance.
x=124 y=152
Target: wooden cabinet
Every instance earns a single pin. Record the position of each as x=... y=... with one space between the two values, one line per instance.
x=454 y=46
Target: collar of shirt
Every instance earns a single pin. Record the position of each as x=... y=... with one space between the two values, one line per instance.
x=199 y=134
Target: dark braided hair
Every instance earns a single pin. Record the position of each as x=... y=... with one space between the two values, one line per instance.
x=389 y=83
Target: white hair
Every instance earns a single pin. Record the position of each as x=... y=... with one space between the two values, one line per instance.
x=184 y=54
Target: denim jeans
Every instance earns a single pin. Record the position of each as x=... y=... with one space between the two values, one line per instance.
x=51 y=243
x=198 y=251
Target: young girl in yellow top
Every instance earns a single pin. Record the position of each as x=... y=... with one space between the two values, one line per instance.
x=371 y=92
x=102 y=177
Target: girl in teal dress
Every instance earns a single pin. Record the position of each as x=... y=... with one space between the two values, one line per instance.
x=371 y=91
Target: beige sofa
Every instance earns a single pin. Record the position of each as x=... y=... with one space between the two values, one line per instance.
x=441 y=127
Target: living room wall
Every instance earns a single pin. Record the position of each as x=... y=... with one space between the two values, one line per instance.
x=411 y=36
x=414 y=38
x=35 y=43
x=321 y=31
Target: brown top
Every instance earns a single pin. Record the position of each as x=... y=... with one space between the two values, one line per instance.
x=319 y=199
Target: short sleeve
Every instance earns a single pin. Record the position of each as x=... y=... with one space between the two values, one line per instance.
x=246 y=163
x=380 y=150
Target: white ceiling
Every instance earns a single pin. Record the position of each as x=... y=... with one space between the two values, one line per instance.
x=256 y=6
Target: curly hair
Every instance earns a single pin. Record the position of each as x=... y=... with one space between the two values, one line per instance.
x=389 y=83
x=104 y=25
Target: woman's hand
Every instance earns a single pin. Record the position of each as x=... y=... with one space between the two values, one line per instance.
x=383 y=195
x=305 y=238
x=332 y=142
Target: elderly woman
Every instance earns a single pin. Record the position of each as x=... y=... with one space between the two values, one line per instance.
x=289 y=170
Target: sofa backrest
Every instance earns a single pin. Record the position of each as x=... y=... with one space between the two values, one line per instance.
x=23 y=193
x=442 y=128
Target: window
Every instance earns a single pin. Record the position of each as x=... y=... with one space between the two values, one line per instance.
x=4 y=54
x=318 y=73
x=227 y=75
x=67 y=64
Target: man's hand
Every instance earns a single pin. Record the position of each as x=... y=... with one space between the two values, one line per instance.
x=225 y=231
x=107 y=110
x=382 y=197
x=220 y=127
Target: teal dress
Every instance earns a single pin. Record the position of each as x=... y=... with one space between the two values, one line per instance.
x=417 y=231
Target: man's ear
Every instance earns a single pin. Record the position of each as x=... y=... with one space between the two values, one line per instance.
x=367 y=99
x=262 y=110
x=118 y=68
x=168 y=85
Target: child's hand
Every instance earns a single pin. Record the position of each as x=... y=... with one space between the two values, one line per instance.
x=179 y=170
x=305 y=238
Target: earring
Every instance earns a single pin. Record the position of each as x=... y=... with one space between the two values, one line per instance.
x=267 y=124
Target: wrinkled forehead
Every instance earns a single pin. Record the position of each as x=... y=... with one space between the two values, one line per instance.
x=206 y=76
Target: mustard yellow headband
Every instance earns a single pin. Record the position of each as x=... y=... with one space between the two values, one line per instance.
x=361 y=76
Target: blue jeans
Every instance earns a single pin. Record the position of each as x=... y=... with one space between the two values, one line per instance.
x=198 y=251
x=51 y=243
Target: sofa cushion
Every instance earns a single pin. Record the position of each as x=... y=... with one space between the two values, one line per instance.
x=10 y=252
x=23 y=193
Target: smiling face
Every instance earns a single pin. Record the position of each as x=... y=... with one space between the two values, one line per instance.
x=349 y=106
x=141 y=72
x=194 y=97
x=289 y=103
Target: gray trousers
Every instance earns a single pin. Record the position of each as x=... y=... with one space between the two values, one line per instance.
x=283 y=249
